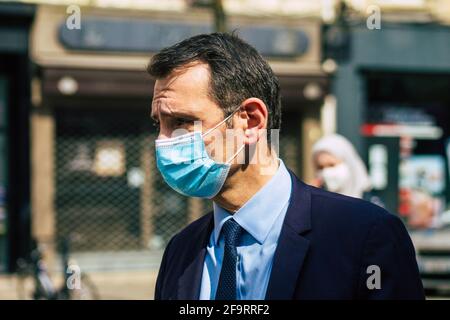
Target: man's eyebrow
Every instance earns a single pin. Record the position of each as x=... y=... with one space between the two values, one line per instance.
x=174 y=114
x=178 y=114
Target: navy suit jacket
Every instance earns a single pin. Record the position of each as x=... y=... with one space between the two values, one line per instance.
x=326 y=245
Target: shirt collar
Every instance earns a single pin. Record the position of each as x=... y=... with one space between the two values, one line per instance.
x=258 y=214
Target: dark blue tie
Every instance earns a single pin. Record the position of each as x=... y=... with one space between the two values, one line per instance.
x=226 y=289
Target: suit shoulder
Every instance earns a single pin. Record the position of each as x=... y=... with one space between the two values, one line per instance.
x=340 y=208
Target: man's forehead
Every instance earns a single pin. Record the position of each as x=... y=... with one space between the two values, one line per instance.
x=195 y=75
x=181 y=90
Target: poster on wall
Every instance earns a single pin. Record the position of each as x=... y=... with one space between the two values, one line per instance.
x=422 y=190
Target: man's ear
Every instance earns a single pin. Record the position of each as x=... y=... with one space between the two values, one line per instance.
x=257 y=116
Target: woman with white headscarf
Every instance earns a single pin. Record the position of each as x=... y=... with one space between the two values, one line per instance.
x=339 y=167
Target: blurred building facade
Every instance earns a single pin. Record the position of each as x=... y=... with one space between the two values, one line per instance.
x=92 y=158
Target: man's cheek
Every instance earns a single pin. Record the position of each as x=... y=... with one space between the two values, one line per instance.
x=215 y=147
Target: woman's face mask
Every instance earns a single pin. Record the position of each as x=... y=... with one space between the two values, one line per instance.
x=336 y=178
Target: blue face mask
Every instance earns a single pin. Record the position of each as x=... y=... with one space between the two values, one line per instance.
x=187 y=167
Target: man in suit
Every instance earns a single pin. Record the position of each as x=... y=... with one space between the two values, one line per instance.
x=270 y=235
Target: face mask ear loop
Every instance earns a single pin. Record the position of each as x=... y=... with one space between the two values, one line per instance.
x=235 y=155
x=221 y=122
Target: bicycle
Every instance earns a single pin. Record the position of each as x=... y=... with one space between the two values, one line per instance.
x=76 y=286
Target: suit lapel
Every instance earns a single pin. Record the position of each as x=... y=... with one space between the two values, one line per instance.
x=292 y=246
x=190 y=280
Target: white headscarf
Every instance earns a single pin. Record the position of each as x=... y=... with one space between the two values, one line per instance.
x=341 y=148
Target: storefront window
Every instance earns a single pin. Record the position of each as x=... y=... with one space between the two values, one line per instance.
x=410 y=115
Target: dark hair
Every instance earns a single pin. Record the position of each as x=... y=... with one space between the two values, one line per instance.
x=238 y=71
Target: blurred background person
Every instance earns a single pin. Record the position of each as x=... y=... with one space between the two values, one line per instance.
x=340 y=169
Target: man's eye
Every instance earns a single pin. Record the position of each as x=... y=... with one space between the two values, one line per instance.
x=182 y=121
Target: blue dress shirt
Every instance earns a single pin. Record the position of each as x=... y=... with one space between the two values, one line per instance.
x=262 y=218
